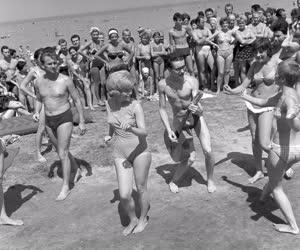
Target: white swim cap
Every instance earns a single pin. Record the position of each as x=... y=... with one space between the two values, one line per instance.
x=145 y=70
x=94 y=29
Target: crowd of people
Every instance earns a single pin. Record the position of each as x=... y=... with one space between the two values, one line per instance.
x=254 y=55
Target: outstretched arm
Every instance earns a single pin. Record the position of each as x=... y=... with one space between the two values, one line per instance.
x=24 y=84
x=271 y=101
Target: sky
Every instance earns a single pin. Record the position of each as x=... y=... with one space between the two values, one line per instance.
x=13 y=10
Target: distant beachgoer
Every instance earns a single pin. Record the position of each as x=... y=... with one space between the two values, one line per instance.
x=127 y=134
x=75 y=40
x=146 y=84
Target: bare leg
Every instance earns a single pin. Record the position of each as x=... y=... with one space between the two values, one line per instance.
x=125 y=180
x=276 y=172
x=202 y=67
x=102 y=95
x=157 y=75
x=87 y=89
x=203 y=134
x=4 y=219
x=211 y=64
x=257 y=151
x=95 y=82
x=228 y=63
x=39 y=136
x=221 y=66
x=236 y=68
x=141 y=167
x=189 y=64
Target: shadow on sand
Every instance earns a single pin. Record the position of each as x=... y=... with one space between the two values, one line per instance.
x=261 y=209
x=243 y=161
x=122 y=213
x=81 y=163
x=167 y=171
x=13 y=197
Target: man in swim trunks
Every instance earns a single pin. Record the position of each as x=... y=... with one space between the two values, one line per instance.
x=178 y=42
x=180 y=89
x=53 y=90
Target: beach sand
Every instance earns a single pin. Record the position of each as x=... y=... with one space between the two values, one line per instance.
x=41 y=32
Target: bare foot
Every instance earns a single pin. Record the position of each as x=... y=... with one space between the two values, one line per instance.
x=65 y=191
x=259 y=175
x=283 y=228
x=41 y=158
x=78 y=175
x=128 y=230
x=140 y=226
x=8 y=221
x=211 y=187
x=173 y=187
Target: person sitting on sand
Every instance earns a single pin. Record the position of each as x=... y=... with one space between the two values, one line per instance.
x=146 y=85
x=53 y=90
x=127 y=134
x=180 y=88
x=4 y=219
x=284 y=150
x=178 y=42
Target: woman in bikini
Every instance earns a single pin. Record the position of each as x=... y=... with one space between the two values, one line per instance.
x=284 y=150
x=112 y=54
x=157 y=51
x=262 y=74
x=127 y=135
x=224 y=39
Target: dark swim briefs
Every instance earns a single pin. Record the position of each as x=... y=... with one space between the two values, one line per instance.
x=55 y=121
x=180 y=52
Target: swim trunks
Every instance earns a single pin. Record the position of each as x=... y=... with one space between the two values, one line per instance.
x=55 y=121
x=180 y=52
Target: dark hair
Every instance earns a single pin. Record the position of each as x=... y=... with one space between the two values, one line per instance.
x=263 y=44
x=279 y=12
x=155 y=34
x=193 y=21
x=229 y=5
x=72 y=47
x=186 y=16
x=280 y=25
x=177 y=16
x=2 y=74
x=37 y=53
x=60 y=41
x=294 y=13
x=201 y=14
x=75 y=36
x=255 y=7
x=270 y=10
x=209 y=10
x=126 y=30
x=223 y=20
x=3 y=48
x=20 y=65
x=291 y=72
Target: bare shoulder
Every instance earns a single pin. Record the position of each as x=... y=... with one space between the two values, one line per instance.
x=65 y=79
x=190 y=79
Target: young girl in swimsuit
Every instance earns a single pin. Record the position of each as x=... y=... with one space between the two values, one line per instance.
x=157 y=51
x=285 y=146
x=224 y=40
x=262 y=73
x=143 y=54
x=127 y=134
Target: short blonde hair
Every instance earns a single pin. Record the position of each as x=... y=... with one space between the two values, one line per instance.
x=118 y=82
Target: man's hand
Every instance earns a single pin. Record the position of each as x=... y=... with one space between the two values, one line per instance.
x=82 y=128
x=36 y=116
x=196 y=109
x=107 y=138
x=172 y=136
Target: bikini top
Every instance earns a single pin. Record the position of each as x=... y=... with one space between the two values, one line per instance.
x=114 y=55
x=268 y=80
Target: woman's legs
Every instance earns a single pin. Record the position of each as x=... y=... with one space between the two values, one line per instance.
x=189 y=63
x=125 y=180
x=221 y=67
x=275 y=173
x=202 y=69
x=102 y=94
x=256 y=149
x=228 y=62
x=87 y=85
x=141 y=165
x=95 y=82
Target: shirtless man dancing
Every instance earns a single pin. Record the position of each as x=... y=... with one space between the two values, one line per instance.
x=53 y=90
x=180 y=88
